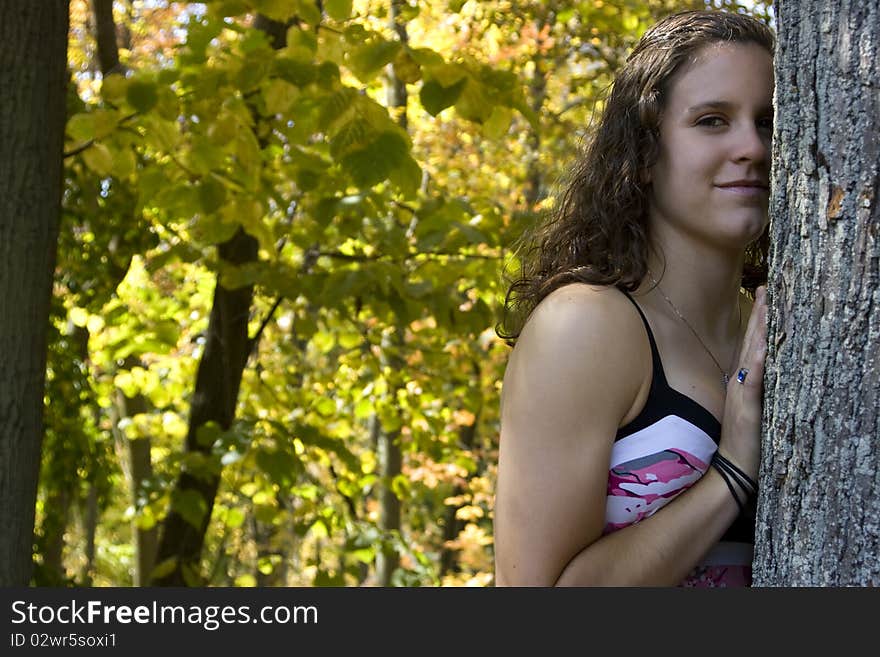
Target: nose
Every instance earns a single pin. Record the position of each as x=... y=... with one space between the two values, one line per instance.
x=752 y=144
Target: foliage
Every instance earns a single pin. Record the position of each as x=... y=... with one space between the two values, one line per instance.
x=378 y=276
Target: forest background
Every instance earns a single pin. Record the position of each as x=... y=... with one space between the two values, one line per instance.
x=285 y=229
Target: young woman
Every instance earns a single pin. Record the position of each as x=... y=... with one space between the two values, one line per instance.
x=626 y=458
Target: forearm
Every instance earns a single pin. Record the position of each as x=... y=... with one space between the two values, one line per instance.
x=660 y=550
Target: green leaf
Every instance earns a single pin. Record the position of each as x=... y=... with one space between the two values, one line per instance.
x=99 y=159
x=81 y=127
x=373 y=164
x=325 y=406
x=367 y=60
x=164 y=568
x=301 y=44
x=474 y=103
x=277 y=10
x=338 y=10
x=324 y=341
x=497 y=124
x=234 y=518
x=407 y=177
x=212 y=194
x=281 y=466
x=354 y=134
x=406 y=68
x=142 y=95
x=279 y=96
x=124 y=163
x=114 y=88
x=309 y=12
x=335 y=108
x=190 y=505
x=436 y=98
x=205 y=155
x=297 y=72
x=363 y=409
x=426 y=57
x=208 y=433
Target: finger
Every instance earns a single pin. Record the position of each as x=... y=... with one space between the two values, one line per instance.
x=752 y=328
x=755 y=351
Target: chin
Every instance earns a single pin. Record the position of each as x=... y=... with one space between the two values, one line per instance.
x=745 y=230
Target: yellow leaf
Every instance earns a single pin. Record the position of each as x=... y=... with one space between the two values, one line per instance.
x=99 y=159
x=79 y=316
x=279 y=96
x=246 y=581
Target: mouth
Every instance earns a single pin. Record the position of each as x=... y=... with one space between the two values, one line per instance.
x=744 y=187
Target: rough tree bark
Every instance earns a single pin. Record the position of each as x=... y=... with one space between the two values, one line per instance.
x=33 y=77
x=818 y=522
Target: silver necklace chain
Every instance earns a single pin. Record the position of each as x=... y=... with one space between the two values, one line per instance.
x=725 y=377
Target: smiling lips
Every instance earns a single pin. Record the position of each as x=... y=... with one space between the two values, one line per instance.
x=744 y=187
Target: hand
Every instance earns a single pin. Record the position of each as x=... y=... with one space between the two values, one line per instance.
x=741 y=425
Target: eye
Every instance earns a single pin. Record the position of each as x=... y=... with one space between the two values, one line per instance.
x=766 y=123
x=711 y=122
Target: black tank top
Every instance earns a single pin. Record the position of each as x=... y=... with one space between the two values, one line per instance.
x=662 y=451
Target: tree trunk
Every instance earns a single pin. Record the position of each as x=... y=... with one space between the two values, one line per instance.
x=33 y=76
x=390 y=456
x=216 y=393
x=54 y=525
x=139 y=471
x=217 y=382
x=534 y=188
x=90 y=529
x=105 y=36
x=452 y=525
x=818 y=522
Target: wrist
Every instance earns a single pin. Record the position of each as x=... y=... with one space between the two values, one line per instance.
x=742 y=487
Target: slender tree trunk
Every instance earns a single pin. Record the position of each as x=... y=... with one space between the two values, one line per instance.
x=217 y=383
x=33 y=77
x=452 y=525
x=819 y=511
x=390 y=456
x=534 y=191
x=105 y=36
x=216 y=394
x=53 y=527
x=139 y=470
x=90 y=526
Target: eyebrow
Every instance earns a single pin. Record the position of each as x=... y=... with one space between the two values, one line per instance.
x=721 y=105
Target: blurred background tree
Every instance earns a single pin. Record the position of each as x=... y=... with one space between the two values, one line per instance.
x=272 y=357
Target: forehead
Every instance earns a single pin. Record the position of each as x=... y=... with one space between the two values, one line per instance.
x=736 y=73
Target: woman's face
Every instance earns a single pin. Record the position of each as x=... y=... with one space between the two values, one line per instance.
x=710 y=181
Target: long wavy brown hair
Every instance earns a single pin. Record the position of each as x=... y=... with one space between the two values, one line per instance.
x=598 y=232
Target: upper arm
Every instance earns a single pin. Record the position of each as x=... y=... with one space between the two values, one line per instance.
x=574 y=374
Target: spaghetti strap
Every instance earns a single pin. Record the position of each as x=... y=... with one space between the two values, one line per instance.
x=659 y=377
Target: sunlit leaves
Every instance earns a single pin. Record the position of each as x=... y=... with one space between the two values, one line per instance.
x=142 y=94
x=435 y=97
x=381 y=247
x=367 y=59
x=338 y=10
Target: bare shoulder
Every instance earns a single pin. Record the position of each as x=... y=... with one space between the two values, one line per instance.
x=583 y=338
x=598 y=319
x=597 y=304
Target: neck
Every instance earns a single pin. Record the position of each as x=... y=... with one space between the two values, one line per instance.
x=703 y=284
